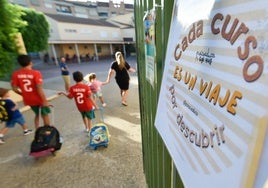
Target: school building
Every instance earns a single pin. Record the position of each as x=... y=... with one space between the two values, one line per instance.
x=86 y=31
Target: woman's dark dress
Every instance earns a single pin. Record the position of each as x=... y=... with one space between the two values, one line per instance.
x=122 y=77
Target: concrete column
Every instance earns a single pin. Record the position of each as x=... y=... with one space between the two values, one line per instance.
x=96 y=56
x=111 y=50
x=124 y=50
x=54 y=54
x=77 y=53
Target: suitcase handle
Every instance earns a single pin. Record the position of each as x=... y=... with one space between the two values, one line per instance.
x=101 y=110
x=101 y=113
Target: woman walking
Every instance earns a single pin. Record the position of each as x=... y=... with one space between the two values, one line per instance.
x=120 y=68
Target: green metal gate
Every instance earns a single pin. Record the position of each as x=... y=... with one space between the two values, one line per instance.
x=158 y=166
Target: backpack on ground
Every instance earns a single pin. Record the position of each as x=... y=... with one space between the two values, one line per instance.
x=46 y=140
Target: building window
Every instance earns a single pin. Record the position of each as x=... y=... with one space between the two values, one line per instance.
x=63 y=9
x=103 y=14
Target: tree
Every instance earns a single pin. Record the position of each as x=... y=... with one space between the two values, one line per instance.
x=10 y=23
x=36 y=33
x=31 y=24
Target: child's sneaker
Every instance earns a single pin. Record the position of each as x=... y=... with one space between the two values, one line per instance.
x=104 y=104
x=27 y=132
x=2 y=140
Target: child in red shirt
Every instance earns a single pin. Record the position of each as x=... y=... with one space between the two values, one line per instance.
x=82 y=96
x=29 y=83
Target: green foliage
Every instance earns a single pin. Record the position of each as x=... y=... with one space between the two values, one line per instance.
x=10 y=23
x=36 y=33
x=33 y=27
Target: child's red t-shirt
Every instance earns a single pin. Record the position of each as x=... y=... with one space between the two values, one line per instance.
x=28 y=80
x=81 y=94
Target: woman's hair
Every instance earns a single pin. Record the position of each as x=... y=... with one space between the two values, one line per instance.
x=120 y=60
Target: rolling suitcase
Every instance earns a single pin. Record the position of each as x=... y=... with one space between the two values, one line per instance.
x=99 y=134
x=46 y=141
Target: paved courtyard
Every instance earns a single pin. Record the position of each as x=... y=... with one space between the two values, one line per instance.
x=75 y=165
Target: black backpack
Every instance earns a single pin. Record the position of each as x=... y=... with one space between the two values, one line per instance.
x=4 y=115
x=46 y=137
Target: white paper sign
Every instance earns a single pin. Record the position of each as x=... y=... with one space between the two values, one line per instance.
x=213 y=106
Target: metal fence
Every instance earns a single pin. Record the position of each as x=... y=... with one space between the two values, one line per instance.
x=158 y=166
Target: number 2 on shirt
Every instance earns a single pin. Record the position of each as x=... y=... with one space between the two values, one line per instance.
x=79 y=98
